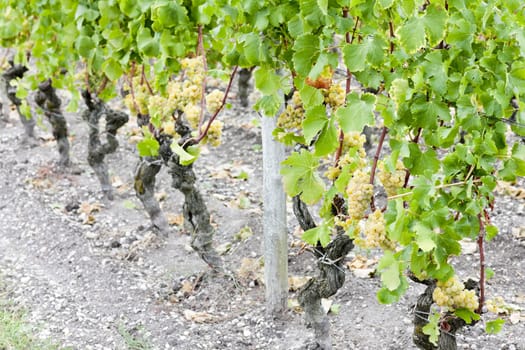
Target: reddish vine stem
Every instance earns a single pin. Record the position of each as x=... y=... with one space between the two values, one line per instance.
x=384 y=131
x=392 y=35
x=414 y=140
x=102 y=86
x=200 y=50
x=144 y=79
x=348 y=40
x=481 y=238
x=210 y=121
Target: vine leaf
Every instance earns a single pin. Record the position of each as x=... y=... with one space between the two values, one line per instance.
x=267 y=81
x=495 y=326
x=389 y=268
x=466 y=315
x=358 y=112
x=412 y=35
x=320 y=233
x=306 y=50
x=300 y=176
x=186 y=157
x=148 y=147
x=432 y=327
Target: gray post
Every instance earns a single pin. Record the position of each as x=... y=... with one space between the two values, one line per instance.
x=274 y=225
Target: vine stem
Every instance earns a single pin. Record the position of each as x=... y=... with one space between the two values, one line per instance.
x=102 y=86
x=200 y=50
x=384 y=131
x=145 y=80
x=414 y=140
x=401 y=195
x=348 y=84
x=481 y=239
x=210 y=121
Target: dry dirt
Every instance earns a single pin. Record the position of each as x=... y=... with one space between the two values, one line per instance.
x=92 y=275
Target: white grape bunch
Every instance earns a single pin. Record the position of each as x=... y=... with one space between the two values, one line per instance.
x=451 y=295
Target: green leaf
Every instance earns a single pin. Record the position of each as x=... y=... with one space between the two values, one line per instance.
x=466 y=315
x=112 y=69
x=424 y=237
x=412 y=35
x=358 y=112
x=315 y=120
x=389 y=268
x=148 y=147
x=491 y=232
x=354 y=56
x=186 y=157
x=328 y=140
x=146 y=43
x=267 y=80
x=323 y=6
x=300 y=176
x=84 y=45
x=320 y=233
x=432 y=327
x=495 y=326
x=489 y=273
x=435 y=20
x=306 y=47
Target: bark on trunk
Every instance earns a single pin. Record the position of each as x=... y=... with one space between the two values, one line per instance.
x=48 y=100
x=16 y=71
x=97 y=150
x=274 y=224
x=244 y=86
x=196 y=215
x=421 y=312
x=331 y=277
x=145 y=173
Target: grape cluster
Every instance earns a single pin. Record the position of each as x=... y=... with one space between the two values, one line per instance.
x=213 y=137
x=359 y=191
x=214 y=100
x=334 y=96
x=355 y=141
x=451 y=294
x=193 y=114
x=293 y=115
x=392 y=181
x=375 y=233
x=496 y=305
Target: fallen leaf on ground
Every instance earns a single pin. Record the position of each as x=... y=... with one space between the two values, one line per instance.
x=362 y=267
x=515 y=317
x=89 y=208
x=175 y=219
x=251 y=269
x=199 y=317
x=296 y=282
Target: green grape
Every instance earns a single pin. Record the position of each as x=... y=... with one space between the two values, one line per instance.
x=214 y=100
x=392 y=182
x=359 y=191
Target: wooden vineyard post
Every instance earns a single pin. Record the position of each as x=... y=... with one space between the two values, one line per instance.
x=275 y=231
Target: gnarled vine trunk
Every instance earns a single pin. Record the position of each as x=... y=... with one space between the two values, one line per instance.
x=196 y=215
x=47 y=99
x=450 y=324
x=145 y=173
x=331 y=277
x=16 y=71
x=244 y=86
x=97 y=150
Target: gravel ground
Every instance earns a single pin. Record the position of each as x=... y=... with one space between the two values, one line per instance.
x=93 y=276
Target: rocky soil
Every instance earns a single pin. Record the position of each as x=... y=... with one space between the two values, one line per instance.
x=92 y=274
